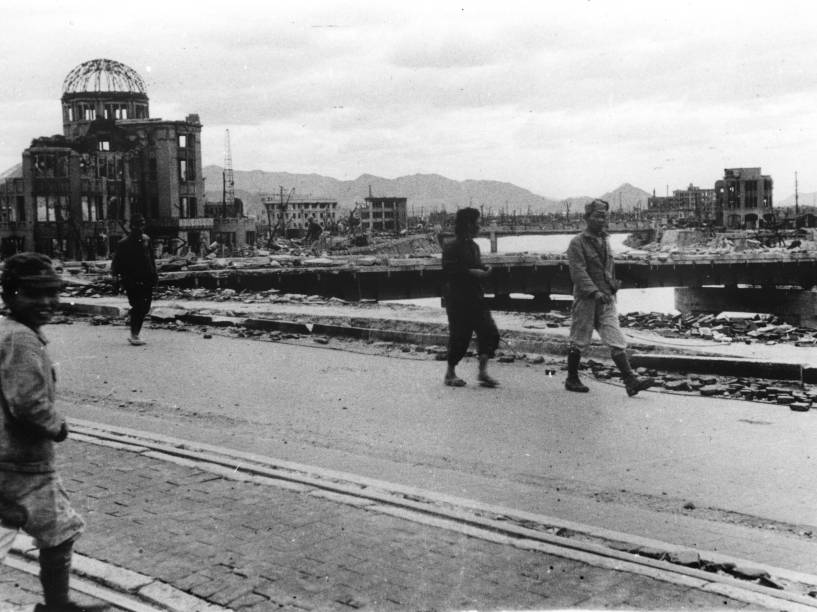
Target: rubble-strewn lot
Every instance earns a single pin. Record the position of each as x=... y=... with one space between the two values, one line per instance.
x=721 y=328
x=737 y=328
x=690 y=244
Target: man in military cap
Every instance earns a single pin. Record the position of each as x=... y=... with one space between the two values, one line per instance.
x=33 y=496
x=592 y=271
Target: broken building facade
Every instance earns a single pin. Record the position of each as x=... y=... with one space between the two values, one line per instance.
x=693 y=203
x=73 y=193
x=744 y=198
x=384 y=214
x=289 y=216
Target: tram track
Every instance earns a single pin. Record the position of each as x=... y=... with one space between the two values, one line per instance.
x=738 y=579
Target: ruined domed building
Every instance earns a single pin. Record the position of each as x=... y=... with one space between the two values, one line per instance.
x=73 y=194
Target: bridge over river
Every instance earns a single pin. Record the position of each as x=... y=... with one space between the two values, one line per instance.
x=754 y=281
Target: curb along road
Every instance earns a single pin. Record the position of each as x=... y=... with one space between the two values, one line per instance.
x=646 y=355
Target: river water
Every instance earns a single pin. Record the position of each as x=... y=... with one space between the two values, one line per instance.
x=658 y=299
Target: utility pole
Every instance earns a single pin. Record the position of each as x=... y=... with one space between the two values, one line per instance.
x=227 y=181
x=796 y=197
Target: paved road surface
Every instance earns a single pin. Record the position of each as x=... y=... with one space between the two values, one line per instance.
x=630 y=464
x=251 y=547
x=743 y=471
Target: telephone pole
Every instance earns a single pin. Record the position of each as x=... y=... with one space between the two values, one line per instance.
x=227 y=181
x=796 y=197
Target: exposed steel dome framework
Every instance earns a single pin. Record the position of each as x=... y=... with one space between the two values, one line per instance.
x=103 y=75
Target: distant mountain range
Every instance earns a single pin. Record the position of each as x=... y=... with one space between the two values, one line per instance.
x=803 y=199
x=425 y=192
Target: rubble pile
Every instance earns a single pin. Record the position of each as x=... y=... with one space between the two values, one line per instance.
x=768 y=329
x=105 y=287
x=260 y=261
x=725 y=328
x=417 y=245
x=692 y=245
x=795 y=395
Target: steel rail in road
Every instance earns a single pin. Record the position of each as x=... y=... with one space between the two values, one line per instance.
x=738 y=579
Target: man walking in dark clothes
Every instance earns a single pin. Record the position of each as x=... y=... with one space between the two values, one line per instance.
x=464 y=300
x=134 y=265
x=593 y=273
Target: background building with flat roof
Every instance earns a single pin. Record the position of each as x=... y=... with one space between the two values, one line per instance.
x=384 y=214
x=289 y=215
x=743 y=198
x=684 y=206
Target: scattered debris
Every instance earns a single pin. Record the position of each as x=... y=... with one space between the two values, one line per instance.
x=725 y=328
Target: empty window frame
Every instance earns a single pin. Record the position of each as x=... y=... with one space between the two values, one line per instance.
x=51 y=208
x=187 y=207
x=116 y=111
x=92 y=208
x=49 y=166
x=88 y=211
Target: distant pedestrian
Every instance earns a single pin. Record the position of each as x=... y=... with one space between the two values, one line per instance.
x=134 y=266
x=313 y=230
x=33 y=494
x=465 y=304
x=592 y=271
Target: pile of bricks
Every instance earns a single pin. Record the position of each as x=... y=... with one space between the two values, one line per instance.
x=795 y=395
x=105 y=288
x=757 y=328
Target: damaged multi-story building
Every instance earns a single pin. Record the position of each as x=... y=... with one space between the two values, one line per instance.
x=72 y=195
x=744 y=198
x=695 y=204
x=383 y=214
x=289 y=215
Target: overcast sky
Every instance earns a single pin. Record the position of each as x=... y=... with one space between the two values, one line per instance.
x=564 y=98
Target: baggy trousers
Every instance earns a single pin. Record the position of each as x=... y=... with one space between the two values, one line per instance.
x=463 y=321
x=140 y=296
x=586 y=315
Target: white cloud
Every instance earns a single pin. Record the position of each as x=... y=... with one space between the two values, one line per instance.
x=563 y=97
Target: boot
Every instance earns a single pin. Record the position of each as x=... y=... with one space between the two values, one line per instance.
x=632 y=383
x=55 y=573
x=573 y=383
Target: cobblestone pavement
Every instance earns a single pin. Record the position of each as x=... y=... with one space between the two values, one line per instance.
x=20 y=590
x=254 y=547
